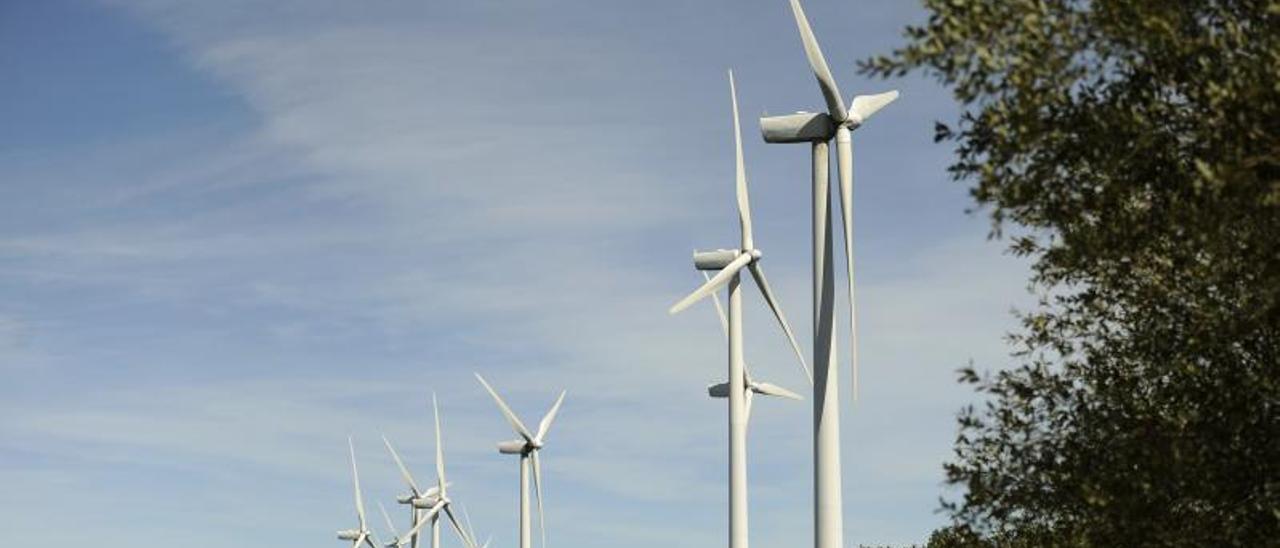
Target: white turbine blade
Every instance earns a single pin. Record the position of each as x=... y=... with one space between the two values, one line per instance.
x=835 y=102
x=457 y=527
x=747 y=395
x=404 y=470
x=425 y=518
x=537 y=485
x=864 y=106
x=550 y=417
x=844 y=148
x=359 y=540
x=715 y=295
x=506 y=412
x=355 y=476
x=372 y=540
x=770 y=389
x=390 y=526
x=716 y=282
x=740 y=172
x=467 y=518
x=440 y=480
x=763 y=284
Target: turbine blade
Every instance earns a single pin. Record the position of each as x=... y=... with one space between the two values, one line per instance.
x=550 y=417
x=390 y=526
x=440 y=480
x=763 y=284
x=355 y=476
x=404 y=470
x=740 y=172
x=457 y=527
x=506 y=412
x=716 y=282
x=770 y=389
x=715 y=295
x=835 y=103
x=844 y=151
x=864 y=106
x=747 y=395
x=537 y=485
x=467 y=518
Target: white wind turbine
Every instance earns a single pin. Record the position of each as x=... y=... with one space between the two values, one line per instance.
x=417 y=499
x=527 y=447
x=361 y=534
x=751 y=386
x=818 y=129
x=730 y=262
x=436 y=498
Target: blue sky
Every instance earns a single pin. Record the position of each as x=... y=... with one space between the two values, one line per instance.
x=233 y=233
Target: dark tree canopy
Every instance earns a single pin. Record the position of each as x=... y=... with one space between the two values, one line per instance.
x=1131 y=148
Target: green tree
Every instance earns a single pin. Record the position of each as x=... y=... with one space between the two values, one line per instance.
x=1131 y=148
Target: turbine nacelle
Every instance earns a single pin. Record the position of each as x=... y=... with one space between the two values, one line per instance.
x=516 y=447
x=721 y=390
x=348 y=534
x=715 y=259
x=801 y=127
x=720 y=258
x=427 y=502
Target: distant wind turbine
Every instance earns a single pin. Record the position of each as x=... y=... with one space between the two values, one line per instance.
x=527 y=447
x=361 y=534
x=417 y=499
x=730 y=263
x=437 y=497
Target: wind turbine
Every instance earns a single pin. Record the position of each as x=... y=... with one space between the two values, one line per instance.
x=730 y=262
x=527 y=447
x=818 y=129
x=362 y=534
x=417 y=499
x=436 y=498
x=752 y=386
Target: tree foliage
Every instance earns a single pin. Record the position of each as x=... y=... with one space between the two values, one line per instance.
x=1131 y=148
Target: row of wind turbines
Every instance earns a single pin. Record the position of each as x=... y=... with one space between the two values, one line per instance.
x=427 y=505
x=817 y=129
